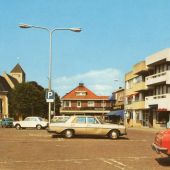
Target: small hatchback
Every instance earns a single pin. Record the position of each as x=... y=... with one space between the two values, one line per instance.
x=31 y=122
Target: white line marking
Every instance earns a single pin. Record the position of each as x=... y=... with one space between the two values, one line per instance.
x=119 y=167
x=118 y=162
x=107 y=162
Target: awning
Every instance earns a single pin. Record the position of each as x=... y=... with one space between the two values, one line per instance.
x=116 y=113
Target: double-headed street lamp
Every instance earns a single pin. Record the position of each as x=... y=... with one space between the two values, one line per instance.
x=50 y=56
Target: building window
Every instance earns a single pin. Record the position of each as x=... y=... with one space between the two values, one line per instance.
x=90 y=103
x=162 y=117
x=81 y=93
x=78 y=103
x=103 y=103
x=67 y=103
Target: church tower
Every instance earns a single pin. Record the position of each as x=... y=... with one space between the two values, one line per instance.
x=18 y=73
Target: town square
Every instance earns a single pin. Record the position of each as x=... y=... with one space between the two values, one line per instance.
x=85 y=84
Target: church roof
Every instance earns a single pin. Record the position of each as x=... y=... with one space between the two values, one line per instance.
x=4 y=86
x=17 y=69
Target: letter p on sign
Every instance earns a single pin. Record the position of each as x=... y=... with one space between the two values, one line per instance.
x=50 y=96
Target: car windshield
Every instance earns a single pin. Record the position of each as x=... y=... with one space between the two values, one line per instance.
x=41 y=119
x=60 y=119
x=100 y=120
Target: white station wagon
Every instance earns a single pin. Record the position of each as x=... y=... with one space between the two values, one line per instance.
x=31 y=122
x=86 y=125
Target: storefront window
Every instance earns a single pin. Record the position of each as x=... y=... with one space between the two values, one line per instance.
x=162 y=117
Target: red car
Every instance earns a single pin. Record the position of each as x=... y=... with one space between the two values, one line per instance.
x=162 y=142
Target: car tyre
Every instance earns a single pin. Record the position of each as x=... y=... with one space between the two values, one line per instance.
x=113 y=134
x=39 y=127
x=68 y=133
x=18 y=126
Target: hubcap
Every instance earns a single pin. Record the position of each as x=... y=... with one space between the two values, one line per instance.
x=68 y=133
x=114 y=135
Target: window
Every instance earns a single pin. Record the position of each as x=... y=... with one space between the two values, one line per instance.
x=92 y=120
x=90 y=103
x=103 y=103
x=81 y=120
x=27 y=119
x=78 y=103
x=81 y=93
x=67 y=103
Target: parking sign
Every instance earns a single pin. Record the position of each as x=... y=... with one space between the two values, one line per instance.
x=50 y=96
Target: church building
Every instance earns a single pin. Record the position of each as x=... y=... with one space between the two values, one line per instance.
x=8 y=82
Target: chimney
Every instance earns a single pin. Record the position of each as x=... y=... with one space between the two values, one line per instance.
x=81 y=84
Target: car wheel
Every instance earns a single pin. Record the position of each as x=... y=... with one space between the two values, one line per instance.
x=69 y=133
x=38 y=127
x=113 y=134
x=18 y=126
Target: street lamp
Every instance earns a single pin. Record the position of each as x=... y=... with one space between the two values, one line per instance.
x=25 y=26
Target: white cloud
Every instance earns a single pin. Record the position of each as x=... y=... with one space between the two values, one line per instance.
x=101 y=82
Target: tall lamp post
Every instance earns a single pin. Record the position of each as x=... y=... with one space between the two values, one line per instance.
x=50 y=56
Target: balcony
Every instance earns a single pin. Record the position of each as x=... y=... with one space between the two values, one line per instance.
x=139 y=87
x=135 y=105
x=158 y=78
x=163 y=101
x=140 y=68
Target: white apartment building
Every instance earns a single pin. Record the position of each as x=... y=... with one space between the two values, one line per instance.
x=147 y=91
x=158 y=83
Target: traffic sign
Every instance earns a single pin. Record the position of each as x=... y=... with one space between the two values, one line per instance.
x=50 y=96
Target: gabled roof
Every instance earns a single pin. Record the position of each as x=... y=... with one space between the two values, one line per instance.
x=89 y=94
x=3 y=84
x=17 y=69
x=12 y=82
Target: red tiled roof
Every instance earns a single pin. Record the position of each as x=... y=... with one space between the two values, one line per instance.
x=89 y=94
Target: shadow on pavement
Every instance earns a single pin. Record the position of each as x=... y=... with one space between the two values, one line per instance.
x=88 y=137
x=164 y=161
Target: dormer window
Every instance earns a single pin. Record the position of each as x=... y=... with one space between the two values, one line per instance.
x=81 y=93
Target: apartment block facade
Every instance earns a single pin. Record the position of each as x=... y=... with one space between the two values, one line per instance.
x=147 y=91
x=135 y=92
x=158 y=83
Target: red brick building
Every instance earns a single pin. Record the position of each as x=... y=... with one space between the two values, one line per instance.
x=81 y=100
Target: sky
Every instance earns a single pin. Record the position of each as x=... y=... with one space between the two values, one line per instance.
x=116 y=34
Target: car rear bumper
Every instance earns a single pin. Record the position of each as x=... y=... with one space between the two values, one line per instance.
x=159 y=149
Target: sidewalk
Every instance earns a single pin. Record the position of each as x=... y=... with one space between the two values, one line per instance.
x=147 y=129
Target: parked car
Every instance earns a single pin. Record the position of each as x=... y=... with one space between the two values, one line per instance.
x=31 y=122
x=7 y=122
x=162 y=142
x=86 y=125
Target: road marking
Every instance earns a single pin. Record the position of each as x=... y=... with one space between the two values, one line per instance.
x=118 y=162
x=119 y=166
x=107 y=162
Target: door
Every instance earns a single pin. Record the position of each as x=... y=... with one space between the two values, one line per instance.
x=146 y=119
x=151 y=117
x=93 y=126
x=79 y=125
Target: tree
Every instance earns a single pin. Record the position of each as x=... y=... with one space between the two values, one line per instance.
x=28 y=99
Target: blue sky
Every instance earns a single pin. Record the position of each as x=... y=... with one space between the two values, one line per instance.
x=116 y=35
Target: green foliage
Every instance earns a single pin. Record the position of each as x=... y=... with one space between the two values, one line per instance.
x=28 y=99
